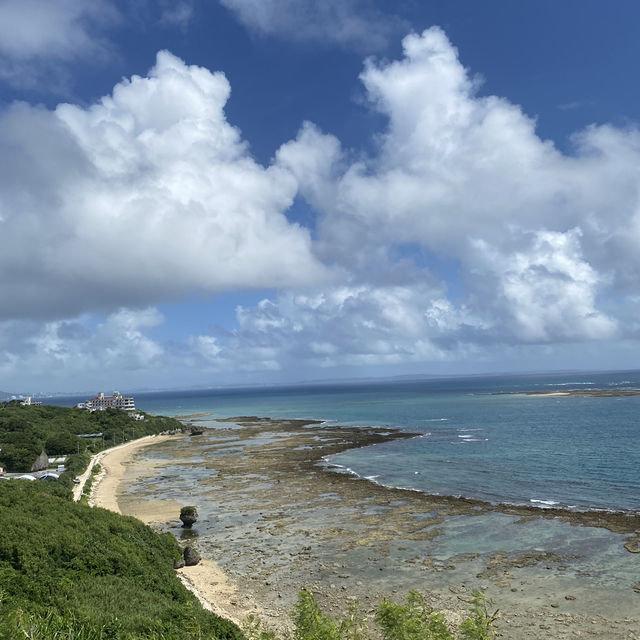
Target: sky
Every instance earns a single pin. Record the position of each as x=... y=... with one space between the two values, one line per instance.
x=221 y=192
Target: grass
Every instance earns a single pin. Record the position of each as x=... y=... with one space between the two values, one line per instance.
x=86 y=490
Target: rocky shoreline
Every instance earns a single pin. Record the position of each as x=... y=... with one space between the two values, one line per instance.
x=276 y=521
x=352 y=438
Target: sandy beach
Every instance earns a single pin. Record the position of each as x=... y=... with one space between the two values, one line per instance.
x=206 y=580
x=114 y=463
x=281 y=523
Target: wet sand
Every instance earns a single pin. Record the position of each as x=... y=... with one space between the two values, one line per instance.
x=280 y=522
x=113 y=465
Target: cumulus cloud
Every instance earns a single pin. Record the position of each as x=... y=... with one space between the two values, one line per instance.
x=544 y=293
x=145 y=196
x=36 y=35
x=353 y=325
x=464 y=176
x=464 y=234
x=58 y=349
x=348 y=23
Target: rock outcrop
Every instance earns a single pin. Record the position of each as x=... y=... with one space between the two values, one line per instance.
x=191 y=556
x=41 y=462
x=188 y=515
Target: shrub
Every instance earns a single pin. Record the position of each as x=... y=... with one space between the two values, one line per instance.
x=413 y=620
x=68 y=571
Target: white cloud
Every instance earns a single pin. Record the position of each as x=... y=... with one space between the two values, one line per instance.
x=464 y=234
x=465 y=177
x=177 y=14
x=74 y=352
x=62 y=29
x=348 y=23
x=353 y=331
x=545 y=293
x=36 y=35
x=356 y=325
x=351 y=325
x=145 y=196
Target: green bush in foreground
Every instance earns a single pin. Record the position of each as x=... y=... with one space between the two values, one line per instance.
x=413 y=620
x=71 y=572
x=417 y=621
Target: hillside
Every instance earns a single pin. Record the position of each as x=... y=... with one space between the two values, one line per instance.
x=26 y=431
x=71 y=571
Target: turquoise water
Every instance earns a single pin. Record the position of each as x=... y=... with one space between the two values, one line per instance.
x=568 y=451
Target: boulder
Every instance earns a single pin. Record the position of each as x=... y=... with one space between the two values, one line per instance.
x=633 y=545
x=178 y=564
x=41 y=462
x=188 y=515
x=191 y=556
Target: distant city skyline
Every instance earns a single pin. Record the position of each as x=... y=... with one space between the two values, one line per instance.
x=220 y=192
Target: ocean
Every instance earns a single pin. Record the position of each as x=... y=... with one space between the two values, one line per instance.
x=481 y=436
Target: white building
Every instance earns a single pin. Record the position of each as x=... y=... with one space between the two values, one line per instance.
x=102 y=402
x=27 y=402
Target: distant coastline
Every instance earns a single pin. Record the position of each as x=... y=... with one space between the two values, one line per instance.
x=578 y=393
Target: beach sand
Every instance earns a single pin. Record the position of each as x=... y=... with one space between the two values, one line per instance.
x=112 y=463
x=210 y=585
x=282 y=523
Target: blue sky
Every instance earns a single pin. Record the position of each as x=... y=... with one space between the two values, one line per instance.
x=210 y=192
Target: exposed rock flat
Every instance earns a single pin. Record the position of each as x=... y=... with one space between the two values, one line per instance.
x=276 y=521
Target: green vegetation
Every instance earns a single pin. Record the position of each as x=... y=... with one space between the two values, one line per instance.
x=413 y=620
x=86 y=490
x=27 y=431
x=416 y=621
x=69 y=571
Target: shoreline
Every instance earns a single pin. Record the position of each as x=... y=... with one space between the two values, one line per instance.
x=614 y=520
x=105 y=484
x=625 y=521
x=206 y=580
x=573 y=393
x=277 y=522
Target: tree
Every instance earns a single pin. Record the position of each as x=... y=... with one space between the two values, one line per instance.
x=62 y=443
